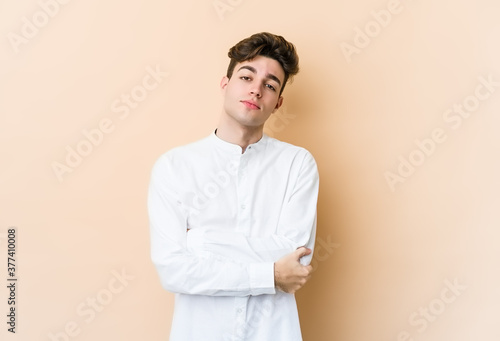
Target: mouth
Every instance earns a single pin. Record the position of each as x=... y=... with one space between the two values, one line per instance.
x=250 y=105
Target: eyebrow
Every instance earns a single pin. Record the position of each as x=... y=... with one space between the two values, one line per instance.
x=269 y=75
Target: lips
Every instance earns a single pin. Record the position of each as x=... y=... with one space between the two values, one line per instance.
x=250 y=104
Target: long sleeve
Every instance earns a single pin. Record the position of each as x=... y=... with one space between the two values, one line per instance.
x=181 y=267
x=296 y=226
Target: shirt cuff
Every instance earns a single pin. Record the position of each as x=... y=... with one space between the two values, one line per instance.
x=261 y=278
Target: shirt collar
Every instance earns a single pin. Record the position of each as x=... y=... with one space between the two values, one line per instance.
x=236 y=149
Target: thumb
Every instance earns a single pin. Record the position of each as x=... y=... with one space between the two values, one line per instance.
x=302 y=251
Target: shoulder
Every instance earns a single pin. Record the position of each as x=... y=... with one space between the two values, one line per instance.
x=290 y=150
x=183 y=155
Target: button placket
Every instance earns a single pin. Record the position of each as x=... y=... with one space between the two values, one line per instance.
x=241 y=316
x=243 y=192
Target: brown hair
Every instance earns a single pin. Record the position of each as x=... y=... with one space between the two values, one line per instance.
x=267 y=45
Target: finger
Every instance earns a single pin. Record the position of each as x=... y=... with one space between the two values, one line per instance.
x=302 y=251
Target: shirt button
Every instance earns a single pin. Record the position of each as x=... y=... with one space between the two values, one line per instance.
x=243 y=207
x=240 y=311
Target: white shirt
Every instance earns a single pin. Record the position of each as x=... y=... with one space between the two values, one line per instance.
x=219 y=220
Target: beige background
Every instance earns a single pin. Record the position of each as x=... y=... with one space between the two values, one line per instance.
x=386 y=254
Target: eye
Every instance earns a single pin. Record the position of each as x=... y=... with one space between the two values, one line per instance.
x=245 y=78
x=269 y=86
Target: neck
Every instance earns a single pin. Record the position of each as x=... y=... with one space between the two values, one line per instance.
x=235 y=133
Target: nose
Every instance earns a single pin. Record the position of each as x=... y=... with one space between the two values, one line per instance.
x=255 y=91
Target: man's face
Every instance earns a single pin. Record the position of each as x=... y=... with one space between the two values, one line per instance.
x=252 y=93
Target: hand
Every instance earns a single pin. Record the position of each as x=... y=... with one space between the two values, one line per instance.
x=289 y=274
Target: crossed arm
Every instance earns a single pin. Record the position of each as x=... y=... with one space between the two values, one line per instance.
x=211 y=262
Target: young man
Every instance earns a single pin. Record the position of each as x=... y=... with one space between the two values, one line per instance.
x=233 y=216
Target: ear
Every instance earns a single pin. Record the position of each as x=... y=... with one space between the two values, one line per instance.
x=278 y=104
x=223 y=83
